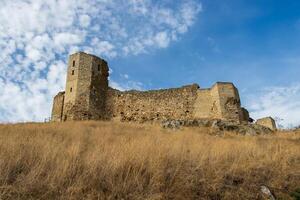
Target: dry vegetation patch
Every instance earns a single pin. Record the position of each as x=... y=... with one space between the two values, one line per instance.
x=105 y=160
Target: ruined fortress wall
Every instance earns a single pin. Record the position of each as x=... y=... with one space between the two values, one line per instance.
x=203 y=107
x=189 y=102
x=222 y=101
x=227 y=101
x=57 y=109
x=152 y=105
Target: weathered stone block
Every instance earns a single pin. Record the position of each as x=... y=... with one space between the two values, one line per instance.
x=244 y=115
x=267 y=122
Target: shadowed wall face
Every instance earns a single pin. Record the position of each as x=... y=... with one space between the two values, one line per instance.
x=57 y=109
x=244 y=115
x=98 y=88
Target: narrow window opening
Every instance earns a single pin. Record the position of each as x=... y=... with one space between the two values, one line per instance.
x=73 y=63
x=71 y=89
x=98 y=68
x=72 y=72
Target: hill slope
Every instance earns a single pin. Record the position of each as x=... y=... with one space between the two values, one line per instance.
x=104 y=160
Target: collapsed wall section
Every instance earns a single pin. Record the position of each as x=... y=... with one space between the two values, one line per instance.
x=57 y=109
x=153 y=105
x=226 y=102
x=222 y=101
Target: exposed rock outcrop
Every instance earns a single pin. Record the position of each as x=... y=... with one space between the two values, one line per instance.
x=219 y=126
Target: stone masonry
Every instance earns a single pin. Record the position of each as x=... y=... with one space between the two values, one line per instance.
x=267 y=122
x=88 y=97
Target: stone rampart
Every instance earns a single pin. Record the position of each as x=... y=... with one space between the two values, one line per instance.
x=204 y=106
x=188 y=102
x=152 y=105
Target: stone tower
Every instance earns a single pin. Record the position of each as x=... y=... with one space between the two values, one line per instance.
x=86 y=88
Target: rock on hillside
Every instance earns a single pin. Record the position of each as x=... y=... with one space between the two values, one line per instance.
x=219 y=126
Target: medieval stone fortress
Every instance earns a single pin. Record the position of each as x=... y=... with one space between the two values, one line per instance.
x=87 y=96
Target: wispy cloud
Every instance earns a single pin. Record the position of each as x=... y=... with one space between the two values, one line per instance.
x=37 y=35
x=279 y=102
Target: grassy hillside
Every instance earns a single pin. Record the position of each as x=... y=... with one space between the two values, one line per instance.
x=102 y=160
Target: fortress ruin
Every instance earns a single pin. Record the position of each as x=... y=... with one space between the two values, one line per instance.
x=88 y=97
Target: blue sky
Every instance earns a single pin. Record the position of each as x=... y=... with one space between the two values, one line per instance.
x=251 y=43
x=153 y=44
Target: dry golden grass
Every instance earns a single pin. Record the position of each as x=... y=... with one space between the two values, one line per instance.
x=104 y=160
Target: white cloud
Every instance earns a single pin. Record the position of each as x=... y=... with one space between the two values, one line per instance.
x=278 y=102
x=162 y=39
x=36 y=37
x=127 y=85
x=126 y=76
x=213 y=44
x=62 y=39
x=84 y=20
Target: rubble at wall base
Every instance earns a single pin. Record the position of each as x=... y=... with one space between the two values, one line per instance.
x=219 y=126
